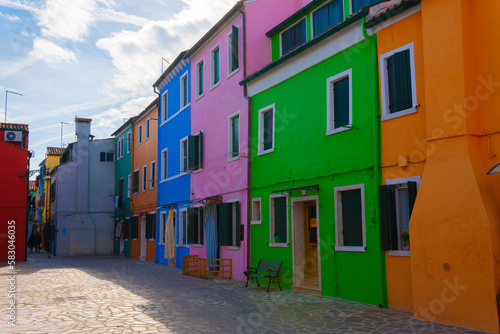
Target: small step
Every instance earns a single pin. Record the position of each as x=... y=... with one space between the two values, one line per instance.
x=142 y=258
x=307 y=289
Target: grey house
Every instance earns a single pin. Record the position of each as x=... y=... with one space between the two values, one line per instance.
x=82 y=193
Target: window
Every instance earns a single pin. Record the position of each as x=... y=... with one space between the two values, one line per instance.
x=266 y=130
x=293 y=37
x=195 y=225
x=256 y=211
x=215 y=66
x=129 y=141
x=200 y=87
x=184 y=91
x=119 y=149
x=339 y=103
x=151 y=226
x=233 y=57
x=102 y=157
x=153 y=175
x=147 y=128
x=195 y=152
x=163 y=224
x=129 y=185
x=278 y=213
x=139 y=135
x=184 y=154
x=144 y=178
x=398 y=88
x=120 y=193
x=164 y=165
x=234 y=136
x=350 y=218
x=229 y=224
x=134 y=230
x=327 y=16
x=135 y=186
x=164 y=106
x=110 y=157
x=397 y=199
x=358 y=4
x=126 y=229
x=183 y=233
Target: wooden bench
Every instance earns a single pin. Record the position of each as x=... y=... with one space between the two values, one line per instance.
x=268 y=269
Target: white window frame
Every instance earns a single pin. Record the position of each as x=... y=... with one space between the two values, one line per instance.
x=183 y=169
x=255 y=221
x=271 y=222
x=164 y=164
x=212 y=71
x=163 y=219
x=129 y=141
x=339 y=246
x=152 y=175
x=230 y=73
x=384 y=84
x=330 y=102
x=234 y=227
x=197 y=79
x=147 y=129
x=129 y=185
x=396 y=182
x=144 y=177
x=230 y=156
x=164 y=107
x=118 y=150
x=139 y=135
x=291 y=26
x=184 y=78
x=261 y=150
x=182 y=228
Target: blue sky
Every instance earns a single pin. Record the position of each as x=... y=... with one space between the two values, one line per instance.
x=91 y=58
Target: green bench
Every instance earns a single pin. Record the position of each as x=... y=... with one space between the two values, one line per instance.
x=268 y=269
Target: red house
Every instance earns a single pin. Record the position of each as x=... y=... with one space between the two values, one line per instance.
x=14 y=168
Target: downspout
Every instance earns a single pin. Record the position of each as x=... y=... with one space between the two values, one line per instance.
x=157 y=169
x=249 y=128
x=28 y=201
x=376 y=158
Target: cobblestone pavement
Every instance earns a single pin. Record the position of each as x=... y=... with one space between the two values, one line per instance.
x=111 y=294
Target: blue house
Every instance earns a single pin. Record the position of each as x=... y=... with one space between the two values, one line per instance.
x=174 y=128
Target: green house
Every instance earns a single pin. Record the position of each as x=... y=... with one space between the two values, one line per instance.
x=315 y=155
x=123 y=185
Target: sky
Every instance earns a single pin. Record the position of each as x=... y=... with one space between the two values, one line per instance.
x=90 y=58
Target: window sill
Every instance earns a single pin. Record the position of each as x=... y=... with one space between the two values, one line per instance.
x=161 y=244
x=151 y=239
x=215 y=86
x=265 y=152
x=196 y=245
x=197 y=171
x=399 y=253
x=163 y=122
x=233 y=158
x=182 y=246
x=337 y=130
x=255 y=222
x=401 y=113
x=283 y=245
x=233 y=248
x=350 y=249
x=183 y=108
x=199 y=96
x=233 y=72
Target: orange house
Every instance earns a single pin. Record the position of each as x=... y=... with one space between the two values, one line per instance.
x=144 y=184
x=440 y=134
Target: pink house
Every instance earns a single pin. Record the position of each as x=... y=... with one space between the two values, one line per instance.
x=218 y=148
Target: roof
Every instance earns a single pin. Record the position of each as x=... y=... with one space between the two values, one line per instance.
x=217 y=26
x=55 y=150
x=347 y=22
x=124 y=126
x=170 y=68
x=82 y=120
x=14 y=126
x=387 y=12
x=146 y=110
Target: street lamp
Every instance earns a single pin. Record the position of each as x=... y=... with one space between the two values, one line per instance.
x=8 y=91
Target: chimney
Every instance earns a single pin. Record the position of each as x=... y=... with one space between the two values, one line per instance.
x=82 y=129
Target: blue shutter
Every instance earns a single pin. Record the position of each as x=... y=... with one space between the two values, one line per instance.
x=341 y=103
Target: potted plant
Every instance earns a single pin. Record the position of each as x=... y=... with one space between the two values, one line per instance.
x=405 y=236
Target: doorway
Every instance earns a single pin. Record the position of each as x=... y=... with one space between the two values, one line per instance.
x=306 y=244
x=143 y=237
x=172 y=261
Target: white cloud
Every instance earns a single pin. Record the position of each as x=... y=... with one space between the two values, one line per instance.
x=12 y=18
x=50 y=52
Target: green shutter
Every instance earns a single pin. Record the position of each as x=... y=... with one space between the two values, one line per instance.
x=226 y=224
x=400 y=83
x=134 y=234
x=135 y=182
x=193 y=228
x=193 y=152
x=268 y=130
x=352 y=220
x=200 y=150
x=412 y=195
x=235 y=47
x=341 y=103
x=280 y=221
x=236 y=224
x=148 y=227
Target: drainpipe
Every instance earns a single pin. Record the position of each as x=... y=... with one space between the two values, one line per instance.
x=28 y=202
x=376 y=156
x=158 y=160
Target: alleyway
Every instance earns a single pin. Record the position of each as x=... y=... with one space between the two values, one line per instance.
x=110 y=294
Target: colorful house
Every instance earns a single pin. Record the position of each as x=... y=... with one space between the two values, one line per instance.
x=144 y=184
x=123 y=187
x=174 y=129
x=218 y=156
x=439 y=79
x=315 y=158
x=14 y=169
x=82 y=192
